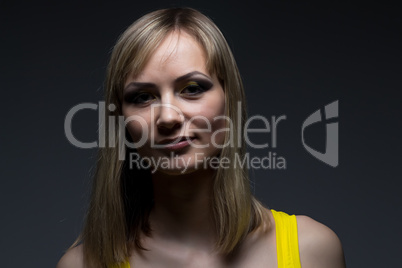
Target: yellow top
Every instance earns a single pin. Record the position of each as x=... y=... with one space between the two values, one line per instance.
x=121 y=265
x=287 y=245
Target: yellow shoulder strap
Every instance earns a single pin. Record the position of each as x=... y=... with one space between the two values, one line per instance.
x=287 y=244
x=122 y=265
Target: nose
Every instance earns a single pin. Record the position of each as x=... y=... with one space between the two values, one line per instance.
x=169 y=117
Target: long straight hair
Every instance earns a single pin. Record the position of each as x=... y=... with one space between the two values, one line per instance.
x=121 y=197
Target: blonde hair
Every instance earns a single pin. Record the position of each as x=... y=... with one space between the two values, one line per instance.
x=121 y=198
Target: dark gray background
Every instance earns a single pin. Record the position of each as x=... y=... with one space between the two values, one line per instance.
x=294 y=56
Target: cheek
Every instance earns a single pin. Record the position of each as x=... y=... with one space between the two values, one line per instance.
x=219 y=129
x=135 y=130
x=213 y=121
x=139 y=128
x=221 y=126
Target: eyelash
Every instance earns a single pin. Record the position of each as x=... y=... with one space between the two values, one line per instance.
x=134 y=98
x=200 y=88
x=194 y=85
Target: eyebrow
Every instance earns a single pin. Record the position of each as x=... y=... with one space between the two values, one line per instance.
x=177 y=80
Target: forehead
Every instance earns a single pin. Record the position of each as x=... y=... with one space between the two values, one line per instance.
x=179 y=53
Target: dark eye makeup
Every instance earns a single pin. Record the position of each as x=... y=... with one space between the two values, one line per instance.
x=195 y=88
x=139 y=95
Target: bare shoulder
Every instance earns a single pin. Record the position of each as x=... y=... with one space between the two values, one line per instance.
x=319 y=246
x=73 y=258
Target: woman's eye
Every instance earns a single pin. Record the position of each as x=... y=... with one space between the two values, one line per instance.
x=193 y=88
x=142 y=98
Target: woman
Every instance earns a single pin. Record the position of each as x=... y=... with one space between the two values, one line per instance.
x=160 y=198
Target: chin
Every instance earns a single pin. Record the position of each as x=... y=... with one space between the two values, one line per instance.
x=176 y=172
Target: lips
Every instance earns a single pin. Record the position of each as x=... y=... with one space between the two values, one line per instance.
x=175 y=140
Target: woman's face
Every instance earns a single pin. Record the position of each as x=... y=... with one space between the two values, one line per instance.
x=174 y=105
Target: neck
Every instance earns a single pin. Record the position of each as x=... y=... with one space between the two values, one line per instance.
x=183 y=207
